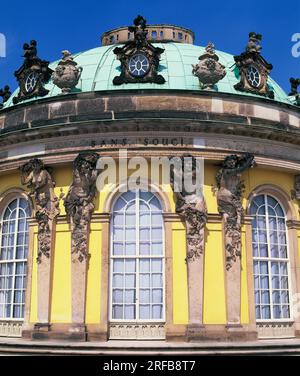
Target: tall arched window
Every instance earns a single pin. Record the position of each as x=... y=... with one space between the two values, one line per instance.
x=13 y=259
x=271 y=259
x=137 y=258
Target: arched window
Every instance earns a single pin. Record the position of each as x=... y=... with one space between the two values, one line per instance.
x=271 y=259
x=13 y=259
x=137 y=258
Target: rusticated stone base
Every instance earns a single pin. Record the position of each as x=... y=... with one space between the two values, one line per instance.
x=56 y=332
x=238 y=332
x=195 y=332
x=175 y=333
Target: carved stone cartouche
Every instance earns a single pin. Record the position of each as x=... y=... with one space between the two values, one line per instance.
x=254 y=69
x=79 y=201
x=38 y=179
x=141 y=54
x=67 y=73
x=209 y=71
x=229 y=192
x=191 y=208
x=5 y=93
x=33 y=74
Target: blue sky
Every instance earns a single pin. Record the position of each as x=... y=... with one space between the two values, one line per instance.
x=77 y=26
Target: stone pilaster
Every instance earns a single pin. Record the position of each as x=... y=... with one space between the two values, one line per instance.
x=37 y=177
x=79 y=209
x=44 y=287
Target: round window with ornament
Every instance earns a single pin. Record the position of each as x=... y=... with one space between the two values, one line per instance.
x=139 y=65
x=31 y=81
x=253 y=76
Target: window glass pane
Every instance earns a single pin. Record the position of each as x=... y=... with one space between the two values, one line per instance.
x=120 y=204
x=145 y=248
x=145 y=312
x=129 y=296
x=130 y=248
x=129 y=280
x=144 y=280
x=137 y=231
x=269 y=243
x=145 y=219
x=157 y=296
x=129 y=312
x=129 y=266
x=117 y=296
x=14 y=245
x=145 y=266
x=118 y=266
x=130 y=219
x=118 y=249
x=118 y=219
x=155 y=204
x=117 y=312
x=144 y=234
x=144 y=296
x=156 y=311
x=130 y=234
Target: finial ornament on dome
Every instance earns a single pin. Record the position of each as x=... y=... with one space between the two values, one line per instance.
x=254 y=42
x=33 y=74
x=67 y=73
x=295 y=83
x=209 y=71
x=254 y=70
x=5 y=93
x=139 y=58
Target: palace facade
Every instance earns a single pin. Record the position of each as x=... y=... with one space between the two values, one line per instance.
x=81 y=264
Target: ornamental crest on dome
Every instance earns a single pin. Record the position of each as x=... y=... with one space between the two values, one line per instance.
x=209 y=71
x=139 y=58
x=253 y=68
x=33 y=74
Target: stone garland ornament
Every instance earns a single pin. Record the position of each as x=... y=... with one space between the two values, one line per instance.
x=209 y=71
x=191 y=208
x=5 y=94
x=229 y=191
x=139 y=58
x=79 y=201
x=67 y=73
x=254 y=69
x=38 y=179
x=295 y=83
x=33 y=74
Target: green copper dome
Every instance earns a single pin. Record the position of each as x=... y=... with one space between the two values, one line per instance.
x=100 y=66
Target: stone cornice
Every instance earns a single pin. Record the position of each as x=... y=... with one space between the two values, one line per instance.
x=293 y=224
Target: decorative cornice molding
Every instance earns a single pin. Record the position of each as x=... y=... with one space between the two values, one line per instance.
x=293 y=224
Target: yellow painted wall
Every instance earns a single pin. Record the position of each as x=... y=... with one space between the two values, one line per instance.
x=214 y=310
x=180 y=286
x=93 y=300
x=214 y=284
x=61 y=291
